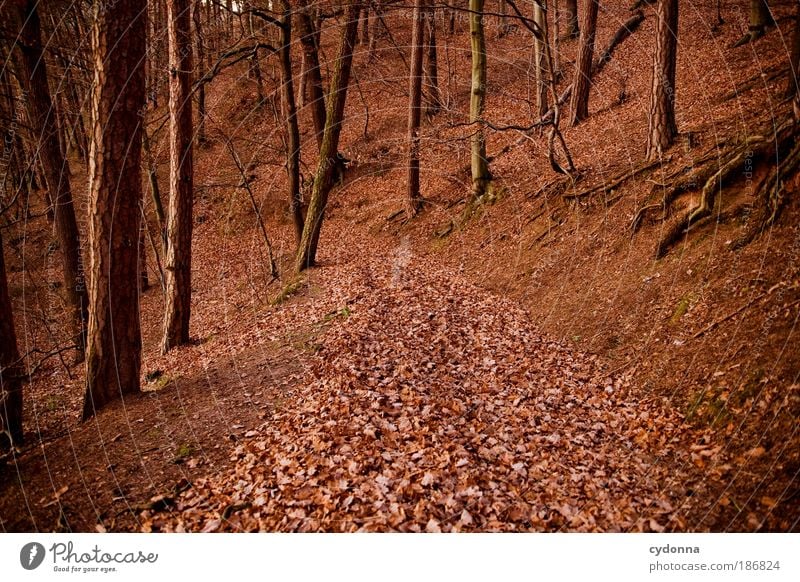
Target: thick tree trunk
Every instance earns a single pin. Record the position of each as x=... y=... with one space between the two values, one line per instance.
x=10 y=383
x=114 y=345
x=571 y=28
x=760 y=18
x=33 y=76
x=328 y=162
x=179 y=214
x=663 y=129
x=433 y=94
x=414 y=198
x=583 y=67
x=309 y=40
x=292 y=128
x=479 y=162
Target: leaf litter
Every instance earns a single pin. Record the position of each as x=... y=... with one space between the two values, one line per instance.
x=435 y=406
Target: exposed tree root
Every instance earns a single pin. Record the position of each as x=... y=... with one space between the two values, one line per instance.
x=607 y=187
x=734 y=163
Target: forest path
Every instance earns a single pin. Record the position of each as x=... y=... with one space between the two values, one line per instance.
x=432 y=405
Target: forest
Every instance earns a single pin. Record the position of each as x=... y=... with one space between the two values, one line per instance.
x=385 y=266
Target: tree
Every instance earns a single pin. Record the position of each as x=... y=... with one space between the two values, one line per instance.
x=328 y=158
x=433 y=94
x=583 y=67
x=42 y=114
x=571 y=18
x=413 y=198
x=479 y=163
x=113 y=347
x=179 y=213
x=539 y=58
x=10 y=385
x=200 y=60
x=663 y=129
x=760 y=18
x=309 y=39
x=293 y=130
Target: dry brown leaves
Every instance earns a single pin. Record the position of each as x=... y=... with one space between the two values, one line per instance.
x=434 y=406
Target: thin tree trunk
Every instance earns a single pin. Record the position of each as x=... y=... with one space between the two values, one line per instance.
x=10 y=383
x=663 y=129
x=292 y=128
x=200 y=60
x=328 y=162
x=433 y=93
x=179 y=215
x=572 y=30
x=539 y=59
x=114 y=345
x=33 y=76
x=479 y=163
x=583 y=67
x=308 y=39
x=414 y=198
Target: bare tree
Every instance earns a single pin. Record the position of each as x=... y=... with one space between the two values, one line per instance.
x=10 y=385
x=114 y=344
x=583 y=67
x=414 y=198
x=179 y=214
x=328 y=158
x=42 y=114
x=293 y=130
x=479 y=162
x=663 y=129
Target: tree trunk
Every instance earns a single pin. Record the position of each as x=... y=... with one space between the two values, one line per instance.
x=114 y=345
x=571 y=28
x=414 y=199
x=308 y=39
x=328 y=162
x=292 y=128
x=33 y=76
x=200 y=60
x=793 y=86
x=10 y=383
x=179 y=214
x=479 y=163
x=433 y=94
x=760 y=18
x=663 y=129
x=583 y=67
x=539 y=59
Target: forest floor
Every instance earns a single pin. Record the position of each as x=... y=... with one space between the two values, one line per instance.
x=534 y=368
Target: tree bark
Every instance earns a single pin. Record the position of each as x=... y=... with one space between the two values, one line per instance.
x=662 y=127
x=760 y=18
x=583 y=67
x=479 y=163
x=539 y=59
x=433 y=93
x=572 y=30
x=413 y=198
x=309 y=40
x=328 y=162
x=113 y=351
x=33 y=76
x=10 y=383
x=292 y=128
x=179 y=214
x=200 y=60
